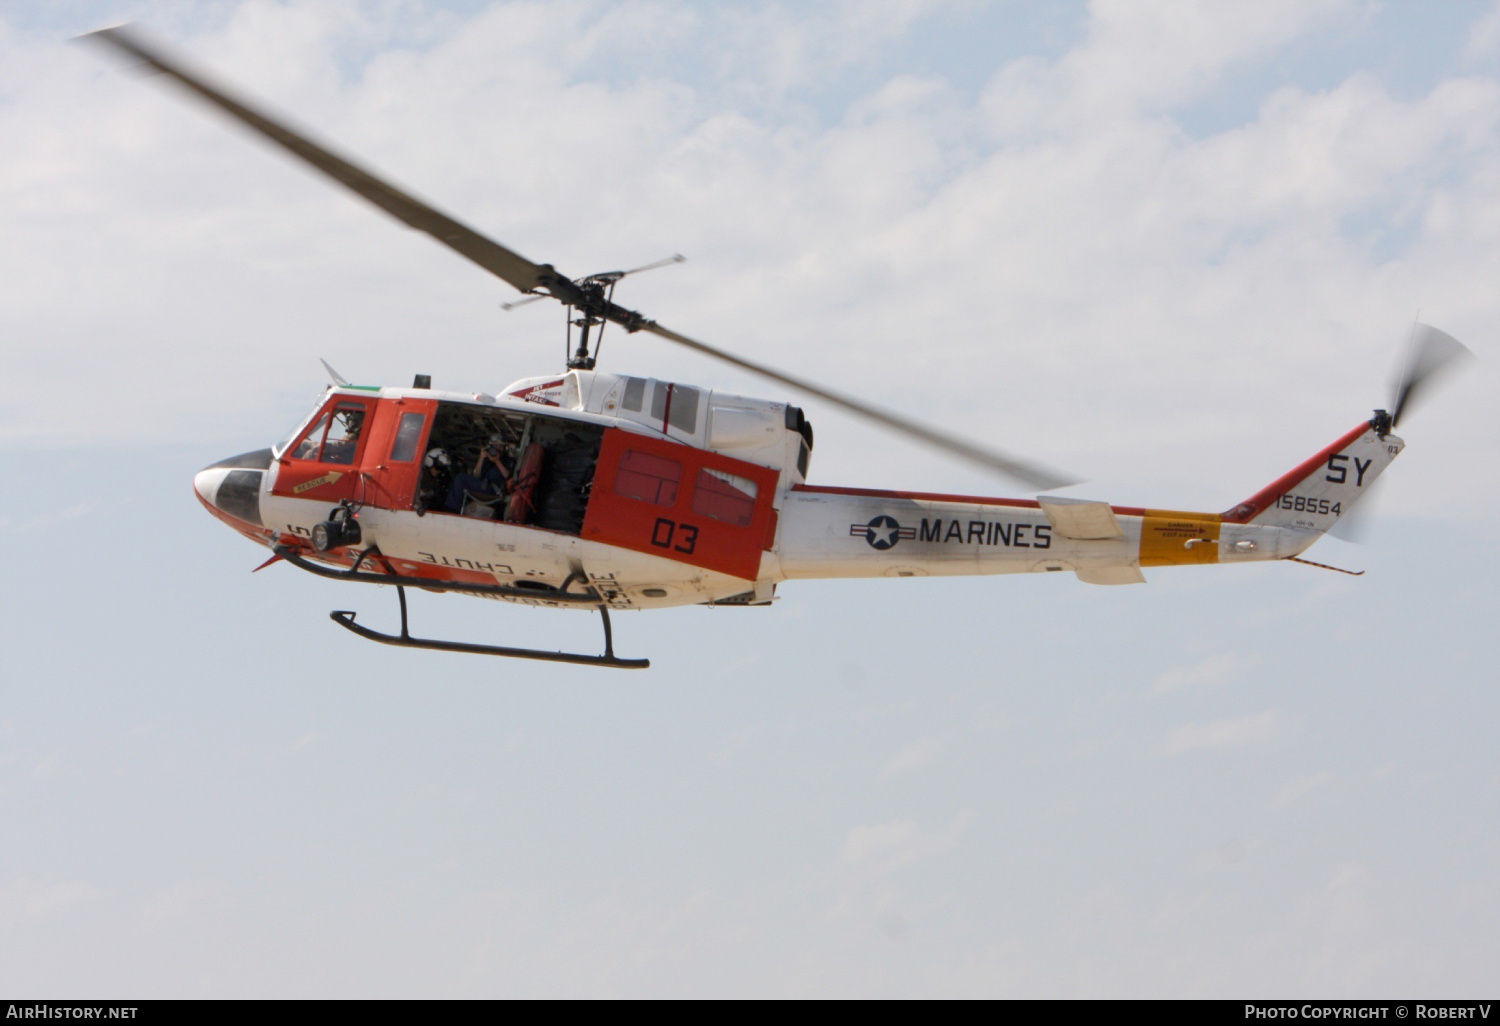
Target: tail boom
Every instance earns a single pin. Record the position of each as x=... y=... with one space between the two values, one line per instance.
x=856 y=532
x=862 y=532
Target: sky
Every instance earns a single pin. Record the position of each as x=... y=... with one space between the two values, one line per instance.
x=1170 y=247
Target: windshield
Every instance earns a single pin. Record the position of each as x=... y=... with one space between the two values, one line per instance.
x=280 y=447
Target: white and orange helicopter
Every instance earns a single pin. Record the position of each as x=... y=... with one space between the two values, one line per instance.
x=591 y=490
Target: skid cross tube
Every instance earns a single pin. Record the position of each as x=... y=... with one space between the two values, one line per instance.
x=558 y=595
x=345 y=617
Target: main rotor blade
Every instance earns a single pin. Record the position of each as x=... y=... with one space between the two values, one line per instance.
x=675 y=258
x=1430 y=352
x=522 y=273
x=488 y=254
x=1039 y=477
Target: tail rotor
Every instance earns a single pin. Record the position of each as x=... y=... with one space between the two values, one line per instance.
x=1430 y=354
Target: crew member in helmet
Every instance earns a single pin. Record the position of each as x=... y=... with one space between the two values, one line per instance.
x=437 y=471
x=490 y=479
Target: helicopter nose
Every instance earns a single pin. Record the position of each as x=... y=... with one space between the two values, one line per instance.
x=232 y=486
x=206 y=483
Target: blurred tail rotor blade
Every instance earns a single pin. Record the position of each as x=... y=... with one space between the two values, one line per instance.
x=1430 y=353
x=1358 y=525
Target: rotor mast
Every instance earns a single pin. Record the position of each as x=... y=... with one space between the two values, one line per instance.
x=596 y=307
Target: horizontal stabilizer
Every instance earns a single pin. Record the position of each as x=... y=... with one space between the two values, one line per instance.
x=1082 y=519
x=1112 y=575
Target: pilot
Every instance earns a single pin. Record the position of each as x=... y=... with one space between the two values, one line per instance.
x=489 y=481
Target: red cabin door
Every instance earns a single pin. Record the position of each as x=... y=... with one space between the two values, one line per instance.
x=323 y=464
x=365 y=450
x=398 y=441
x=667 y=499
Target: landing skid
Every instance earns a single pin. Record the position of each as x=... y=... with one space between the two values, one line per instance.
x=345 y=618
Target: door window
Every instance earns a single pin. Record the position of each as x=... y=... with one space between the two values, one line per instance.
x=407 y=436
x=335 y=437
x=724 y=496
x=649 y=478
x=343 y=433
x=308 y=450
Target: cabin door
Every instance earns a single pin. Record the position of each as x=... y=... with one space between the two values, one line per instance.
x=667 y=499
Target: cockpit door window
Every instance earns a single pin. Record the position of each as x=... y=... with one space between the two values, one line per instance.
x=335 y=437
x=343 y=433
x=308 y=449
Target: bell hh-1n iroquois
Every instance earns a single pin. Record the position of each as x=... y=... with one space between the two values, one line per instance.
x=592 y=490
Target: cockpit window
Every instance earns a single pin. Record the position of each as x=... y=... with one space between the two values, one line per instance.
x=295 y=433
x=335 y=437
x=308 y=450
x=343 y=433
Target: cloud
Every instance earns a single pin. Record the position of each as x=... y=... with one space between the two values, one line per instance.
x=915 y=755
x=1215 y=669
x=866 y=842
x=36 y=899
x=1220 y=734
x=1036 y=265
x=875 y=850
x=1297 y=788
x=306 y=741
x=180 y=900
x=1109 y=75
x=44 y=521
x=1484 y=37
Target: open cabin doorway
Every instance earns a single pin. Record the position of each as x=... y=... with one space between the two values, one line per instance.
x=548 y=467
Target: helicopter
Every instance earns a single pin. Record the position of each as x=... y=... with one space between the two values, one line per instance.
x=590 y=490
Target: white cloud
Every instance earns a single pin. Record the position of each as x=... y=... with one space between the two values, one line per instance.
x=38 y=899
x=872 y=851
x=1215 y=669
x=1144 y=56
x=865 y=842
x=1220 y=734
x=1300 y=787
x=181 y=899
x=915 y=755
x=307 y=741
x=1177 y=319
x=1484 y=37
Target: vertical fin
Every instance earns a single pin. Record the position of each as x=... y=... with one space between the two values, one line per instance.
x=1318 y=492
